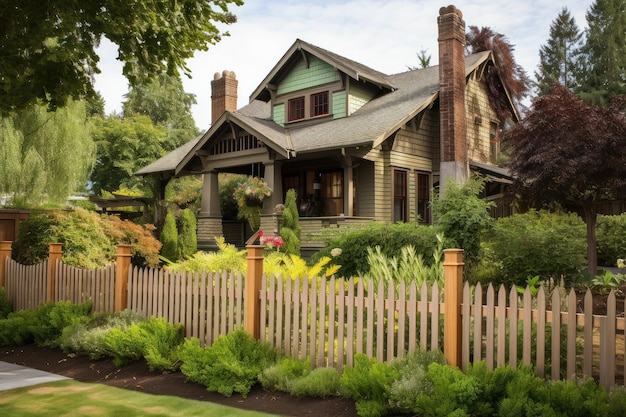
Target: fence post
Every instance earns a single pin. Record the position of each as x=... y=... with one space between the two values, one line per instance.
x=452 y=297
x=252 y=306
x=55 y=253
x=5 y=252
x=122 y=266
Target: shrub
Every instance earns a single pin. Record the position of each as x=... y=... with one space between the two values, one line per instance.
x=390 y=237
x=290 y=230
x=88 y=239
x=187 y=239
x=526 y=245
x=169 y=238
x=321 y=382
x=231 y=364
x=5 y=306
x=228 y=258
x=368 y=383
x=156 y=340
x=228 y=182
x=463 y=217
x=611 y=239
x=280 y=377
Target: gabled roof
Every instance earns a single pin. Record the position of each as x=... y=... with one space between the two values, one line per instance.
x=168 y=163
x=352 y=68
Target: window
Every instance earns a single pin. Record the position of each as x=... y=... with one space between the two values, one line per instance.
x=332 y=192
x=296 y=109
x=319 y=104
x=493 y=142
x=423 y=197
x=399 y=196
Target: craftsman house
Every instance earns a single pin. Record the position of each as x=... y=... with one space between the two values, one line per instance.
x=356 y=144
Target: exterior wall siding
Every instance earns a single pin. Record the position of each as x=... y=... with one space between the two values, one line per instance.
x=279 y=114
x=339 y=104
x=364 y=199
x=358 y=96
x=477 y=106
x=302 y=77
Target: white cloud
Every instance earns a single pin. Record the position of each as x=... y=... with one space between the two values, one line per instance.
x=385 y=35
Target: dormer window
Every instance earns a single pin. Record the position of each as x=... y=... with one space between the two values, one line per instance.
x=296 y=109
x=319 y=104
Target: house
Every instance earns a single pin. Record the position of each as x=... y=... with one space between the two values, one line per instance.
x=356 y=144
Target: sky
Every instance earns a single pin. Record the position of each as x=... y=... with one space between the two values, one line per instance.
x=384 y=35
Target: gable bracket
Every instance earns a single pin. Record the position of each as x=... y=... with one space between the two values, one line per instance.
x=304 y=57
x=234 y=130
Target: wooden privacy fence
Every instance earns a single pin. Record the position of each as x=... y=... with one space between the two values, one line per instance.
x=330 y=320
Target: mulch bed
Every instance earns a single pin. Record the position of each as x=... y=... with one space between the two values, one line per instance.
x=137 y=377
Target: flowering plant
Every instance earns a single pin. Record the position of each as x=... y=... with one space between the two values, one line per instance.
x=270 y=241
x=249 y=195
x=253 y=188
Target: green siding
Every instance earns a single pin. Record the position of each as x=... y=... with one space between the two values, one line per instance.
x=339 y=104
x=279 y=114
x=359 y=95
x=300 y=77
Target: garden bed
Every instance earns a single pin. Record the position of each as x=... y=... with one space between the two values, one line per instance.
x=136 y=376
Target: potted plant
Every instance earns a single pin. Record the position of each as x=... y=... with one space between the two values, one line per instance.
x=249 y=195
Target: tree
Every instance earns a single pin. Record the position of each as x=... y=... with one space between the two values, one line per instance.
x=290 y=230
x=604 y=52
x=505 y=71
x=558 y=58
x=187 y=239
x=573 y=153
x=123 y=147
x=48 y=49
x=424 y=60
x=164 y=100
x=46 y=156
x=169 y=238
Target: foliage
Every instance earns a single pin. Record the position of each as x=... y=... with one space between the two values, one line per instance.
x=88 y=239
x=280 y=376
x=184 y=192
x=290 y=230
x=228 y=258
x=611 y=236
x=537 y=243
x=369 y=383
x=408 y=267
x=228 y=205
x=5 y=305
x=123 y=147
x=506 y=79
x=463 y=217
x=156 y=340
x=606 y=281
x=249 y=195
x=558 y=58
x=295 y=267
x=556 y=153
x=603 y=58
x=169 y=238
x=165 y=101
x=187 y=239
x=151 y=38
x=46 y=156
x=321 y=382
x=350 y=247
x=231 y=364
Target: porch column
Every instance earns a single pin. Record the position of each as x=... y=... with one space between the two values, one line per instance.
x=210 y=195
x=275 y=182
x=348 y=186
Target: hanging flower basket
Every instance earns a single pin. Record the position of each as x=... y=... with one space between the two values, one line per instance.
x=249 y=195
x=252 y=201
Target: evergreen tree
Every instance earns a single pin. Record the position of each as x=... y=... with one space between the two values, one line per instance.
x=290 y=230
x=558 y=58
x=187 y=239
x=603 y=74
x=169 y=238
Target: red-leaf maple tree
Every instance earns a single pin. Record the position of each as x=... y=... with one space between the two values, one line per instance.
x=572 y=153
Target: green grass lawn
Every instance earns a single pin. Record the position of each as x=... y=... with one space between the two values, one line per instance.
x=71 y=398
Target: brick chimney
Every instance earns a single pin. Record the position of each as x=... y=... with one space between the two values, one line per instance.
x=452 y=120
x=223 y=94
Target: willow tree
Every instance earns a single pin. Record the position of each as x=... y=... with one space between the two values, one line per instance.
x=46 y=156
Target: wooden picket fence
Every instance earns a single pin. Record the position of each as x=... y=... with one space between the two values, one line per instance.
x=331 y=320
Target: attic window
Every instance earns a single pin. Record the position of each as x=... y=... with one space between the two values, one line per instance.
x=296 y=109
x=319 y=104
